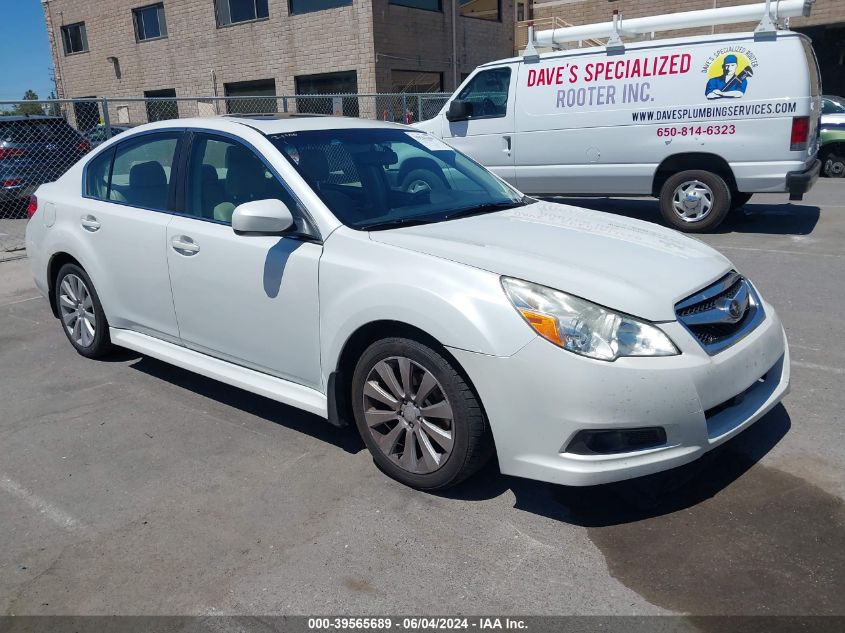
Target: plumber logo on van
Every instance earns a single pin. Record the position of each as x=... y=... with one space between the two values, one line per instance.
x=728 y=71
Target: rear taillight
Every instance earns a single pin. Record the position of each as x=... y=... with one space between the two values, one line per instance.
x=83 y=146
x=12 y=182
x=800 y=133
x=11 y=152
x=32 y=207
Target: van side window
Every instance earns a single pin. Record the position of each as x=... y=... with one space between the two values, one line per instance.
x=142 y=171
x=488 y=93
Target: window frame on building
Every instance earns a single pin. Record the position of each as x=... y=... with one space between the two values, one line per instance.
x=235 y=101
x=66 y=38
x=315 y=104
x=329 y=4
x=411 y=5
x=474 y=17
x=220 y=17
x=437 y=73
x=140 y=24
x=168 y=100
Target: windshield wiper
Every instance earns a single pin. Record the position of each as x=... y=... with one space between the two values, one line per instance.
x=392 y=224
x=485 y=208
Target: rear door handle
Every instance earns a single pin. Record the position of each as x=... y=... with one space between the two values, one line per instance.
x=184 y=245
x=90 y=223
x=507 y=148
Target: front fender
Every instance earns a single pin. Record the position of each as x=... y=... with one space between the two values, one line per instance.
x=362 y=281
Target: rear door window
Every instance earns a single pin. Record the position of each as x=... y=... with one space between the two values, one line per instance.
x=143 y=171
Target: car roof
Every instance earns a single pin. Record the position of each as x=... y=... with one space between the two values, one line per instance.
x=273 y=123
x=30 y=117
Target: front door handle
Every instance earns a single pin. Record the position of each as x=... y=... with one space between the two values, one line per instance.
x=184 y=245
x=507 y=141
x=89 y=223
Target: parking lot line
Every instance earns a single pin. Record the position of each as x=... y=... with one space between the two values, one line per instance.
x=835 y=370
x=56 y=515
x=778 y=250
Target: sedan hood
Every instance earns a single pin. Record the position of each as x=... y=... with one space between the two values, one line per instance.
x=628 y=265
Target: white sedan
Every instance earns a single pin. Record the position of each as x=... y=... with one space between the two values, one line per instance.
x=367 y=272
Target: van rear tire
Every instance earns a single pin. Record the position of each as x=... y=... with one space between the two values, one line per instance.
x=695 y=201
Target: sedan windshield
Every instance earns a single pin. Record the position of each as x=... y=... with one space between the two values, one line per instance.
x=377 y=178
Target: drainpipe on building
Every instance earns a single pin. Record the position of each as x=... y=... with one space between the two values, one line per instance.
x=454 y=44
x=58 y=71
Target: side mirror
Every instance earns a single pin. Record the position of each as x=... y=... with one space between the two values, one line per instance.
x=459 y=110
x=262 y=217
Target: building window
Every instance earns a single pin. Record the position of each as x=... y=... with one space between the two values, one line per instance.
x=149 y=22
x=255 y=97
x=162 y=105
x=74 y=38
x=416 y=81
x=309 y=6
x=328 y=84
x=520 y=11
x=482 y=9
x=234 y=11
x=427 y=5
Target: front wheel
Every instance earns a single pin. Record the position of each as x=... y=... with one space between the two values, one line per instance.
x=417 y=415
x=695 y=201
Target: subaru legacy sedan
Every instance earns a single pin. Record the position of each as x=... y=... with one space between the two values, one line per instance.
x=368 y=273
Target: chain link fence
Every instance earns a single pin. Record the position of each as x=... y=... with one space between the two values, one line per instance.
x=40 y=140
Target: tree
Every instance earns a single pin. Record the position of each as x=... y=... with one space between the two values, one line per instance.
x=29 y=108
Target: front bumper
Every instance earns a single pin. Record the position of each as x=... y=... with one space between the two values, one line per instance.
x=799 y=182
x=539 y=398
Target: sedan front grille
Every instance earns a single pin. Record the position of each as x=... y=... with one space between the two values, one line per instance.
x=721 y=314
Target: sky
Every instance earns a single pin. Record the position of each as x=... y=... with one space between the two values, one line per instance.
x=24 y=50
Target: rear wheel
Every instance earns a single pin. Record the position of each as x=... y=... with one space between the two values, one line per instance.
x=418 y=417
x=834 y=166
x=695 y=201
x=81 y=313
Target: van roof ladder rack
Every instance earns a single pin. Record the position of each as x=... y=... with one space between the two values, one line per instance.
x=772 y=12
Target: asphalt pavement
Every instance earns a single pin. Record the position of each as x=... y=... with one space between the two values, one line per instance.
x=128 y=486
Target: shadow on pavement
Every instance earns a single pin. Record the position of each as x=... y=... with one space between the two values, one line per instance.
x=346 y=438
x=635 y=499
x=773 y=219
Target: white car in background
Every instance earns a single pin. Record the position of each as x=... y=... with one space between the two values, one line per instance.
x=449 y=320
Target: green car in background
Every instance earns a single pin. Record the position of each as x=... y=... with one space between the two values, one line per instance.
x=832 y=127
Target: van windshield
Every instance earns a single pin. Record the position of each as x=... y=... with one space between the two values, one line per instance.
x=378 y=178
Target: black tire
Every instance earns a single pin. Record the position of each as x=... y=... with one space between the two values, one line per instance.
x=100 y=344
x=472 y=443
x=720 y=202
x=419 y=179
x=739 y=199
x=834 y=166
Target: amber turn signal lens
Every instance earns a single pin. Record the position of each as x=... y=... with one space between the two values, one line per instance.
x=544 y=325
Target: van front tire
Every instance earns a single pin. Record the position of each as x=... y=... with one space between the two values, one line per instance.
x=695 y=201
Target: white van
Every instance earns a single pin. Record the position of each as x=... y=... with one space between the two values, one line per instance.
x=700 y=122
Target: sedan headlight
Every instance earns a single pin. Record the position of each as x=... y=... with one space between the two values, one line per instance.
x=583 y=327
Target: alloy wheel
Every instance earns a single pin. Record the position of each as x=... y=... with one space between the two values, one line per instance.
x=408 y=415
x=77 y=310
x=692 y=201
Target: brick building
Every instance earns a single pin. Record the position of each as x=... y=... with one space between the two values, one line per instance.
x=190 y=48
x=826 y=24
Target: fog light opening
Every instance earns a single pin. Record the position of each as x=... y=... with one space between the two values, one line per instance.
x=605 y=442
